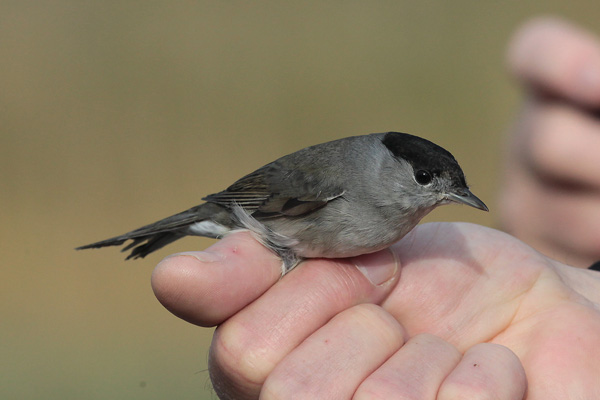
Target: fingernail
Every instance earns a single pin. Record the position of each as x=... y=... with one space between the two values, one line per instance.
x=202 y=256
x=378 y=267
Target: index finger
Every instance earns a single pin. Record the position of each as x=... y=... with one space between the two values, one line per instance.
x=554 y=56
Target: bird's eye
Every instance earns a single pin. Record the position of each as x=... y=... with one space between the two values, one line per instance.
x=423 y=177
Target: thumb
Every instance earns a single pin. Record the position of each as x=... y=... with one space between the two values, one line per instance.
x=207 y=287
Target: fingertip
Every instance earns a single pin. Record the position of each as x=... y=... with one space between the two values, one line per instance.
x=534 y=39
x=550 y=54
x=170 y=283
x=527 y=37
x=207 y=287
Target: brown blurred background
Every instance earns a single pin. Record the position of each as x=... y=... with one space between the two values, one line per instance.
x=117 y=113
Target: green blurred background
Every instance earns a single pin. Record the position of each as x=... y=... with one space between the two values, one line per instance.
x=118 y=113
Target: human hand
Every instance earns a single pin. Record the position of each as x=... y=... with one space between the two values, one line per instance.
x=452 y=306
x=551 y=194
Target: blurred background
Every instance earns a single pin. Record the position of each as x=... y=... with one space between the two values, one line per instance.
x=114 y=114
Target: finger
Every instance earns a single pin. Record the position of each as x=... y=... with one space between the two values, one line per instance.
x=486 y=371
x=532 y=210
x=554 y=180
x=248 y=346
x=415 y=371
x=562 y=144
x=576 y=212
x=332 y=362
x=207 y=287
x=555 y=56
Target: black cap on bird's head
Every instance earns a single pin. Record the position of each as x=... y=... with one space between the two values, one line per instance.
x=430 y=161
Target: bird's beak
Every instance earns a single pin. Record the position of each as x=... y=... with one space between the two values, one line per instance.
x=464 y=196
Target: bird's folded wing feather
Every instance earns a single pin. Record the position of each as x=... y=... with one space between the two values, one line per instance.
x=274 y=191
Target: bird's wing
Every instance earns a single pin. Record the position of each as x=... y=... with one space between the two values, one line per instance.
x=250 y=192
x=273 y=191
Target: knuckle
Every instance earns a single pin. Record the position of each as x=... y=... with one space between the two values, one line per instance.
x=239 y=360
x=378 y=322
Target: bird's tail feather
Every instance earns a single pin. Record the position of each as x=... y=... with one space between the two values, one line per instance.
x=152 y=243
x=154 y=236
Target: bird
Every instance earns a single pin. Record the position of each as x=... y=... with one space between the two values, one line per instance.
x=338 y=199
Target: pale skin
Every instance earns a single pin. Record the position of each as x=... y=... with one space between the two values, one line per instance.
x=551 y=193
x=452 y=311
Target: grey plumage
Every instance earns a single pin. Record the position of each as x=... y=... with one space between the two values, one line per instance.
x=337 y=199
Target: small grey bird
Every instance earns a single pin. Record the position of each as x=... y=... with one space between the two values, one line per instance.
x=342 y=198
